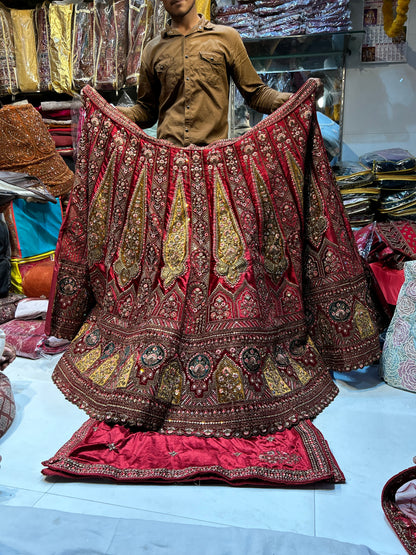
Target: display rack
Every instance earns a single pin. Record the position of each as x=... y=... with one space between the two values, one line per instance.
x=285 y=63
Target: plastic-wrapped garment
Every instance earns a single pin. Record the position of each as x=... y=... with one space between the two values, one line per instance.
x=389 y=160
x=112 y=43
x=60 y=22
x=42 y=47
x=83 y=45
x=8 y=73
x=352 y=174
x=159 y=17
x=25 y=50
x=397 y=182
x=398 y=205
x=140 y=32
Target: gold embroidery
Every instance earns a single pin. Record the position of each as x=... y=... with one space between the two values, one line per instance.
x=175 y=247
x=362 y=320
x=170 y=389
x=274 y=380
x=82 y=330
x=296 y=174
x=103 y=373
x=272 y=242
x=229 y=382
x=89 y=359
x=316 y=222
x=98 y=218
x=123 y=378
x=229 y=249
x=127 y=265
x=301 y=373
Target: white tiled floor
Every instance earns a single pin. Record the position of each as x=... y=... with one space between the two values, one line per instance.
x=369 y=427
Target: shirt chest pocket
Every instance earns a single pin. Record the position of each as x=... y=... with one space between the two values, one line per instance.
x=166 y=72
x=212 y=66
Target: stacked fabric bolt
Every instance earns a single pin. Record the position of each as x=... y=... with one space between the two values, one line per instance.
x=56 y=115
x=266 y=18
x=395 y=175
x=358 y=190
x=327 y=16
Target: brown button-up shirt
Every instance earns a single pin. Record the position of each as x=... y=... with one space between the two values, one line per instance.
x=185 y=80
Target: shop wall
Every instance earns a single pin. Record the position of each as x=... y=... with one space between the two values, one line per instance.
x=380 y=99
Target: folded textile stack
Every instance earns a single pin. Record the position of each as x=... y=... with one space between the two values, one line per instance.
x=265 y=18
x=327 y=16
x=395 y=175
x=56 y=115
x=359 y=192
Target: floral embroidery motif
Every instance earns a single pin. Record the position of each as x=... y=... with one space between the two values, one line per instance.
x=153 y=356
x=92 y=339
x=229 y=247
x=280 y=457
x=68 y=286
x=339 y=311
x=229 y=382
x=127 y=266
x=199 y=367
x=251 y=359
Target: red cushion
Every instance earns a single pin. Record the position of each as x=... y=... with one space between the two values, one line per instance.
x=37 y=280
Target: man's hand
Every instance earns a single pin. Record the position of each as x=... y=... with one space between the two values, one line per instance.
x=9 y=354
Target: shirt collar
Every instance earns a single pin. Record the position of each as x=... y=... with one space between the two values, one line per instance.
x=203 y=24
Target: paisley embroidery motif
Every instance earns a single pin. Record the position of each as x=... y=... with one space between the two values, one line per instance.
x=88 y=360
x=124 y=376
x=229 y=244
x=127 y=266
x=272 y=247
x=99 y=213
x=176 y=243
x=274 y=379
x=103 y=373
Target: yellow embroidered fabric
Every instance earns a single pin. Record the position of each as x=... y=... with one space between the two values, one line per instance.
x=60 y=22
x=25 y=50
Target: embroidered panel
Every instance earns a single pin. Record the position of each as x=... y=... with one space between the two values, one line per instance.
x=217 y=284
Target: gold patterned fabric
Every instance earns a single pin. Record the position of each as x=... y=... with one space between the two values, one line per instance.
x=26 y=146
x=60 y=46
x=25 y=50
x=215 y=286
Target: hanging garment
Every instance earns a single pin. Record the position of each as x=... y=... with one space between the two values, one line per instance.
x=207 y=290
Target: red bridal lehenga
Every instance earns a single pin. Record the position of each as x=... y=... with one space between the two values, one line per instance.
x=207 y=293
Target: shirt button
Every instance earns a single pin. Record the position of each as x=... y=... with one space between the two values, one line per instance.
x=187 y=107
x=187 y=78
x=186 y=55
x=186 y=129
